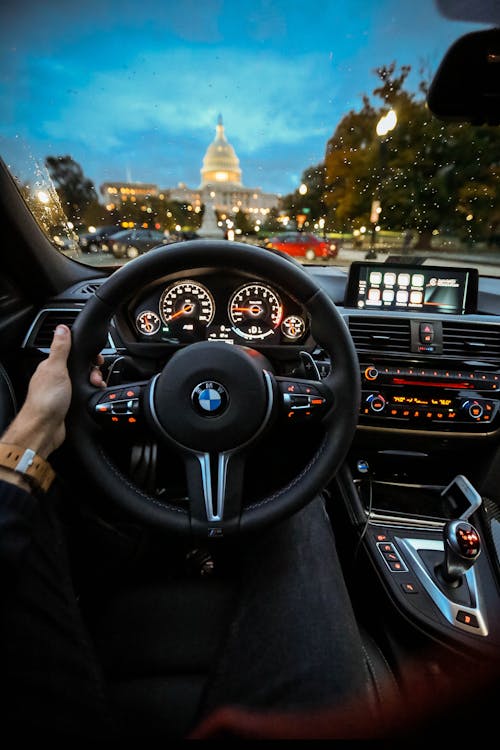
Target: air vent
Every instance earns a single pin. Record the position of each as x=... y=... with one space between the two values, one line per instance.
x=84 y=289
x=380 y=334
x=89 y=289
x=471 y=341
x=43 y=330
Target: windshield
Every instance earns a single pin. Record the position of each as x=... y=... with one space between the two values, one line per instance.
x=297 y=126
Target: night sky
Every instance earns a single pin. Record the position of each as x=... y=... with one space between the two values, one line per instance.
x=132 y=90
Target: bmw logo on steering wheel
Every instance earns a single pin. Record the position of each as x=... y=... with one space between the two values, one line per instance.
x=209 y=398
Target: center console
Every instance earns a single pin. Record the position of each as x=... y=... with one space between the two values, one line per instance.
x=430 y=395
x=423 y=395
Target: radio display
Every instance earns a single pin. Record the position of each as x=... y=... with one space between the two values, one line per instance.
x=421 y=401
x=428 y=289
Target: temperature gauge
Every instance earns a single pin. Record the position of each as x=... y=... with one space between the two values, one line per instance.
x=293 y=327
x=148 y=323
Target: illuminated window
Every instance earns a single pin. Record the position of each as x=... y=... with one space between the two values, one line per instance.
x=221 y=176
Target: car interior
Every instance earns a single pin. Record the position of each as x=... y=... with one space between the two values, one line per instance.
x=392 y=414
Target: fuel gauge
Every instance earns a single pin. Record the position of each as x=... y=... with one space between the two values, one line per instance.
x=293 y=327
x=148 y=323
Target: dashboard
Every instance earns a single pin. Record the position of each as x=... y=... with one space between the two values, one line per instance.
x=215 y=307
x=423 y=368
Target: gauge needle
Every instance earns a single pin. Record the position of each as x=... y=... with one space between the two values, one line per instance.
x=183 y=311
x=254 y=309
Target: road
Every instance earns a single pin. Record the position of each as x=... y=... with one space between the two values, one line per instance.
x=344 y=259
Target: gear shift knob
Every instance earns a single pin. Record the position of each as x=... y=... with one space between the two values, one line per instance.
x=462 y=547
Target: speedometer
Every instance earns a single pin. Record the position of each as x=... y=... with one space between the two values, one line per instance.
x=255 y=311
x=186 y=308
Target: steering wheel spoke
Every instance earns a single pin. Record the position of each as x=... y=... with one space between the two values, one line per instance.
x=118 y=406
x=215 y=490
x=304 y=400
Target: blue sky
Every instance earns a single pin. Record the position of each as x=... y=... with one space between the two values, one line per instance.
x=132 y=90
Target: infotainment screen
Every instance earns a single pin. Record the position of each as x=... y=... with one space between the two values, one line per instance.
x=397 y=286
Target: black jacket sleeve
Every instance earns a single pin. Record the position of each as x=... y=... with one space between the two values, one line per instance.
x=18 y=512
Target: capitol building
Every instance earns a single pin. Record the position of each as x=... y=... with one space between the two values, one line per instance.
x=221 y=185
x=221 y=182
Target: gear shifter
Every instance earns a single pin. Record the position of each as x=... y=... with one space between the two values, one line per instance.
x=462 y=544
x=444 y=567
x=462 y=547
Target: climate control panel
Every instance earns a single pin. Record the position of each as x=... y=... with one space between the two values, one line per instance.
x=422 y=397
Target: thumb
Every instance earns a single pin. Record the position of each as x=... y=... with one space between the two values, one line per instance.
x=61 y=344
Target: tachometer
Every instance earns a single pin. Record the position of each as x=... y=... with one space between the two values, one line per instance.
x=186 y=309
x=255 y=311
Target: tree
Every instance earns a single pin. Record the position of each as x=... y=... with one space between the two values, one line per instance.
x=350 y=172
x=429 y=176
x=271 y=225
x=312 y=200
x=243 y=222
x=76 y=193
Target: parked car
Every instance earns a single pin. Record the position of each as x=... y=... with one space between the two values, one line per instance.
x=183 y=235
x=303 y=245
x=97 y=240
x=130 y=243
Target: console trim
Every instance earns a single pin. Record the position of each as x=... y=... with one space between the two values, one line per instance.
x=448 y=608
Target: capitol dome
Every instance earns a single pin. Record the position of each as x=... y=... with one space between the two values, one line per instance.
x=220 y=163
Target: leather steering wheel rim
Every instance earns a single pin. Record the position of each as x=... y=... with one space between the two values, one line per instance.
x=328 y=329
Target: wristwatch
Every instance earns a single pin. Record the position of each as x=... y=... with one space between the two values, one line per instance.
x=38 y=473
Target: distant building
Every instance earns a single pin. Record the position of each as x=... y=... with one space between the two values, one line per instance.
x=116 y=194
x=221 y=185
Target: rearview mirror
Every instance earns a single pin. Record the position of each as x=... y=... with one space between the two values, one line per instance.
x=466 y=87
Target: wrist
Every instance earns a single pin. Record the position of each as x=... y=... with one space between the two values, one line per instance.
x=31 y=436
x=13 y=477
x=28 y=464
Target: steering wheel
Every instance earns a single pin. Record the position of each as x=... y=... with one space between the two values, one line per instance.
x=212 y=400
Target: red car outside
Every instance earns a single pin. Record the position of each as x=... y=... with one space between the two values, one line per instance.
x=303 y=245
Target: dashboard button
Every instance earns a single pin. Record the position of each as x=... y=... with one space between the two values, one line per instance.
x=426 y=333
x=409 y=587
x=467 y=618
x=371 y=373
x=476 y=410
x=377 y=402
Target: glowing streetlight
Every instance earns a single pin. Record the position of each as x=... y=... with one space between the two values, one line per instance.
x=387 y=123
x=303 y=189
x=43 y=197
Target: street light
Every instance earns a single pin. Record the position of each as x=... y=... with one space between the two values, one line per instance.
x=387 y=123
x=301 y=216
x=384 y=126
x=43 y=197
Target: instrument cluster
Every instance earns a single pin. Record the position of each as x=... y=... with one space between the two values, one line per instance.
x=235 y=309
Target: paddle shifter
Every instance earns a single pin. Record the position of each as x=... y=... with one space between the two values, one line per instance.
x=462 y=544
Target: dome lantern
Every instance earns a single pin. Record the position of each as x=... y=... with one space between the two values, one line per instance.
x=220 y=163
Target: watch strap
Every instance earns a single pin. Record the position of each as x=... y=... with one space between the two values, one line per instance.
x=37 y=472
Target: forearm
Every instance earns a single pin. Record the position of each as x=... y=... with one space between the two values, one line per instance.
x=28 y=431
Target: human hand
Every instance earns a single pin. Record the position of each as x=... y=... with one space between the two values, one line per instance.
x=39 y=425
x=96 y=377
